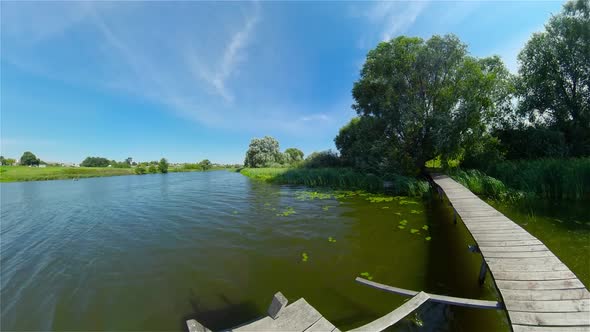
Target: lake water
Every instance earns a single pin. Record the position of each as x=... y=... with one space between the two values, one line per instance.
x=148 y=252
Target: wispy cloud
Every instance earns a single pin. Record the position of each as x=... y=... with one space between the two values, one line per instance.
x=394 y=17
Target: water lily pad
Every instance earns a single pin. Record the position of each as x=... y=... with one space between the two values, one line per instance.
x=287 y=212
x=406 y=202
x=398 y=213
x=414 y=231
x=366 y=275
x=403 y=222
x=428 y=238
x=304 y=257
x=331 y=239
x=425 y=227
x=385 y=207
x=416 y=211
x=401 y=227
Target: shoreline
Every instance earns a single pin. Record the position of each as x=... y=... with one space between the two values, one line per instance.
x=11 y=174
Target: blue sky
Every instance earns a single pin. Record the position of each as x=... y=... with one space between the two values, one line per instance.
x=194 y=80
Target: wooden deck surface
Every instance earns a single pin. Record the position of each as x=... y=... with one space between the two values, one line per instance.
x=540 y=293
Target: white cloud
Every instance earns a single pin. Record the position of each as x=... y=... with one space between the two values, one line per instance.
x=314 y=117
x=394 y=17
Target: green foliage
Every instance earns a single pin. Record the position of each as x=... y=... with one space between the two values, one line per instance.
x=95 y=162
x=550 y=178
x=530 y=143
x=292 y=155
x=29 y=159
x=152 y=169
x=304 y=257
x=338 y=178
x=555 y=75
x=163 y=165
x=480 y=183
x=425 y=98
x=140 y=170
x=205 y=164
x=322 y=159
x=262 y=152
x=23 y=173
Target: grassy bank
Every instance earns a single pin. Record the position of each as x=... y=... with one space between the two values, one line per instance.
x=337 y=178
x=24 y=173
x=544 y=178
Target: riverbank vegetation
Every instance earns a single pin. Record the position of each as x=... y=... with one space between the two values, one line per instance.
x=424 y=102
x=24 y=173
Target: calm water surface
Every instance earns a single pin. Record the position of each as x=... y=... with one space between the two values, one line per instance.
x=148 y=252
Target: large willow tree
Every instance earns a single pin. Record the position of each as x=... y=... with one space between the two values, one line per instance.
x=417 y=100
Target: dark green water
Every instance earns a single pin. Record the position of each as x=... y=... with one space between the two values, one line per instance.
x=148 y=252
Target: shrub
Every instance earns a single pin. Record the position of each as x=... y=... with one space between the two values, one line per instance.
x=322 y=159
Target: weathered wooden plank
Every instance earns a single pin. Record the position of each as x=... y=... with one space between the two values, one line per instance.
x=395 y=316
x=550 y=318
x=297 y=316
x=521 y=254
x=538 y=247
x=322 y=325
x=508 y=243
x=528 y=275
x=549 y=306
x=518 y=267
x=492 y=237
x=544 y=295
x=543 y=284
x=525 y=261
x=462 y=302
x=529 y=328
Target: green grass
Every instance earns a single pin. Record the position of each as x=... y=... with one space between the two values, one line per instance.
x=337 y=178
x=24 y=173
x=543 y=178
x=548 y=178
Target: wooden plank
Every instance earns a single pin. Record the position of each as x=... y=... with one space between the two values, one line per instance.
x=527 y=275
x=550 y=318
x=322 y=325
x=522 y=254
x=544 y=295
x=538 y=247
x=492 y=237
x=529 y=328
x=525 y=261
x=297 y=316
x=501 y=243
x=544 y=284
x=549 y=306
x=194 y=326
x=395 y=316
x=501 y=267
x=462 y=302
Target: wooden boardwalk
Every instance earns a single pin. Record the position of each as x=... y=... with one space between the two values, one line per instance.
x=539 y=292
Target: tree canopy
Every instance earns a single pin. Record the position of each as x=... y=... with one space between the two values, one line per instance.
x=163 y=165
x=420 y=99
x=293 y=155
x=95 y=162
x=29 y=159
x=263 y=152
x=205 y=164
x=555 y=75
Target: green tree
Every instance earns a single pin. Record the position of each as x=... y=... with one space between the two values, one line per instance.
x=129 y=161
x=163 y=165
x=140 y=170
x=428 y=98
x=293 y=155
x=2 y=160
x=555 y=74
x=362 y=144
x=95 y=162
x=152 y=169
x=205 y=164
x=29 y=159
x=9 y=161
x=262 y=152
